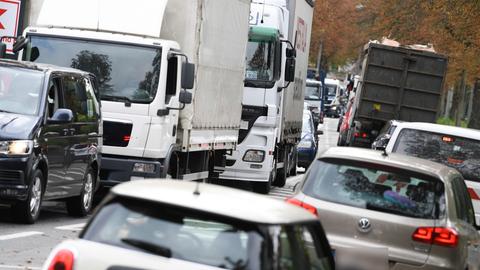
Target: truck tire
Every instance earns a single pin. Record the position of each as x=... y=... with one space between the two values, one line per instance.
x=293 y=170
x=28 y=211
x=81 y=205
x=262 y=187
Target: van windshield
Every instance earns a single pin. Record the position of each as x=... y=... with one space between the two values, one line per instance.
x=19 y=86
x=312 y=93
x=376 y=187
x=124 y=72
x=460 y=153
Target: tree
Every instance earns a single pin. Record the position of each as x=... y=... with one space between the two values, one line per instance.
x=97 y=64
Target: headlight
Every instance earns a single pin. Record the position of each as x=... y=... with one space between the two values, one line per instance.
x=334 y=108
x=305 y=144
x=254 y=156
x=144 y=167
x=16 y=148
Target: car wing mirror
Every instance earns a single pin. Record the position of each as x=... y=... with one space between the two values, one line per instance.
x=61 y=116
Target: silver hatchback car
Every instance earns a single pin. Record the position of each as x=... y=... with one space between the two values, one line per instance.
x=415 y=212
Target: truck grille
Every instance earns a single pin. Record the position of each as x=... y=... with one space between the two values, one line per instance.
x=116 y=133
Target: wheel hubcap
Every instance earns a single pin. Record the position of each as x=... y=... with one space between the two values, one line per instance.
x=88 y=192
x=36 y=196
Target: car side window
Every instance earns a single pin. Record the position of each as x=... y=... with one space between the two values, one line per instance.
x=91 y=102
x=463 y=203
x=300 y=249
x=76 y=97
x=54 y=98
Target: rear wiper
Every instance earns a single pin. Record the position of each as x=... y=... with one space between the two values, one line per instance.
x=116 y=98
x=388 y=210
x=4 y=111
x=150 y=247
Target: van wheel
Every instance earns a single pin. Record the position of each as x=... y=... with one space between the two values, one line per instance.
x=262 y=187
x=281 y=178
x=28 y=211
x=80 y=206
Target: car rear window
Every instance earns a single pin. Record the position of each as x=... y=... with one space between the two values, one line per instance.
x=177 y=233
x=376 y=187
x=460 y=153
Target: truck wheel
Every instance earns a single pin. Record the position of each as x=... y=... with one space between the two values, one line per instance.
x=281 y=178
x=81 y=205
x=28 y=211
x=262 y=187
x=293 y=170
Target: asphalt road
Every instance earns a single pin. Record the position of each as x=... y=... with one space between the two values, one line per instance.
x=27 y=246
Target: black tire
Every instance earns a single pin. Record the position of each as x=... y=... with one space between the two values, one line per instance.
x=262 y=187
x=80 y=206
x=280 y=178
x=293 y=170
x=28 y=211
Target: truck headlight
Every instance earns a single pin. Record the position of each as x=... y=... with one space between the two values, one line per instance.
x=305 y=144
x=144 y=167
x=16 y=148
x=254 y=156
x=334 y=108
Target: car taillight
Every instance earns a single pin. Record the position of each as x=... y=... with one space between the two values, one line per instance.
x=358 y=134
x=63 y=260
x=126 y=138
x=436 y=235
x=310 y=208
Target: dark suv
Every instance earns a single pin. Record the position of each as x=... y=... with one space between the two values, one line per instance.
x=50 y=138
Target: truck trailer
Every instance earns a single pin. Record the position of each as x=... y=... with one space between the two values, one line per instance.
x=396 y=83
x=275 y=79
x=142 y=53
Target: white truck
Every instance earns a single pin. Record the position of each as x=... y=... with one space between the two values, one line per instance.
x=142 y=53
x=275 y=79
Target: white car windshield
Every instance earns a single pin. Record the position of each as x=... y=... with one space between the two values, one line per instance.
x=460 y=153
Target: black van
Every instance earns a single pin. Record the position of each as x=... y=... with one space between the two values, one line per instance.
x=50 y=138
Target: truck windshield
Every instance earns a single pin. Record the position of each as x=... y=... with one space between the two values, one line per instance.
x=18 y=87
x=124 y=72
x=259 y=62
x=460 y=153
x=312 y=93
x=331 y=90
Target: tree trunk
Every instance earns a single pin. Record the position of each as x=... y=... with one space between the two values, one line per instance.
x=461 y=101
x=475 y=116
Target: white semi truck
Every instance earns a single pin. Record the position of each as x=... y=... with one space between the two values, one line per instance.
x=275 y=79
x=142 y=54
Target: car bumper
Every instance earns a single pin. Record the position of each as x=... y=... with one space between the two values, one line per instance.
x=115 y=170
x=14 y=178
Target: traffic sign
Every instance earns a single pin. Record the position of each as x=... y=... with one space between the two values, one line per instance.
x=9 y=21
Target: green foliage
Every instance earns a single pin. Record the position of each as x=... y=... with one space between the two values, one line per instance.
x=450 y=122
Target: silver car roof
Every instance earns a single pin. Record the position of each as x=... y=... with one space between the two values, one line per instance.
x=396 y=160
x=228 y=202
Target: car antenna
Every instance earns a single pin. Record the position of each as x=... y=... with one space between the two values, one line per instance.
x=197 y=189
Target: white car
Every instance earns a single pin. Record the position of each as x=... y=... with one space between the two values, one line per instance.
x=164 y=224
x=452 y=146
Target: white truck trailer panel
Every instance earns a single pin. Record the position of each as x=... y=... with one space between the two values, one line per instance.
x=301 y=15
x=214 y=34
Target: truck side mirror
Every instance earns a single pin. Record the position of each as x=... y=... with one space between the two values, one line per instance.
x=188 y=75
x=3 y=50
x=185 y=97
x=291 y=53
x=290 y=70
x=20 y=44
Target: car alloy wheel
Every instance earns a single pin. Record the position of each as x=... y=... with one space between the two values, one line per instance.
x=35 y=196
x=88 y=192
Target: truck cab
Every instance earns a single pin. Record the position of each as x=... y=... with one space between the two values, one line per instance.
x=275 y=75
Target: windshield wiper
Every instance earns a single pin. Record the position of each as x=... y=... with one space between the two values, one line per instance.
x=150 y=247
x=116 y=98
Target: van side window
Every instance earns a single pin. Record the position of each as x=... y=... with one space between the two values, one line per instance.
x=92 y=104
x=172 y=72
x=53 y=98
x=76 y=97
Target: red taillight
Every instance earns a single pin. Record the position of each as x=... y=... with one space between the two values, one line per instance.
x=63 y=260
x=356 y=134
x=310 y=208
x=438 y=236
x=473 y=194
x=126 y=138
x=364 y=135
